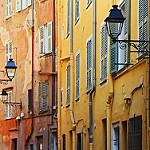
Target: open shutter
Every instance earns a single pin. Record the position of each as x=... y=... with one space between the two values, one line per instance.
x=40 y=98
x=7 y=8
x=6 y=53
x=68 y=85
x=77 y=76
x=49 y=26
x=18 y=5
x=104 y=47
x=68 y=17
x=42 y=40
x=89 y=65
x=113 y=53
x=10 y=8
x=45 y=95
x=127 y=25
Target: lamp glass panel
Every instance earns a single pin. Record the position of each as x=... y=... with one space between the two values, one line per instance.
x=11 y=73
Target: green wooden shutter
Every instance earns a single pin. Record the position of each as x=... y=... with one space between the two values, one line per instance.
x=104 y=47
x=49 y=30
x=77 y=76
x=89 y=66
x=113 y=53
x=68 y=17
x=42 y=40
x=68 y=85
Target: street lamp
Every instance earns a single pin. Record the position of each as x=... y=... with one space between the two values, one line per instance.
x=10 y=69
x=4 y=96
x=114 y=22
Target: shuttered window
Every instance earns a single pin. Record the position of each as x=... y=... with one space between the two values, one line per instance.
x=61 y=96
x=29 y=100
x=8 y=107
x=46 y=38
x=68 y=16
x=43 y=96
x=77 y=76
x=143 y=21
x=89 y=66
x=104 y=54
x=68 y=85
x=22 y=4
x=9 y=52
x=8 y=8
x=77 y=10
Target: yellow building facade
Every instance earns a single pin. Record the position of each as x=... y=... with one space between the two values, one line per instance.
x=103 y=97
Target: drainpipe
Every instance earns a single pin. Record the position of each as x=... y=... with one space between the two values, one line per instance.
x=32 y=126
x=71 y=84
x=94 y=76
x=53 y=61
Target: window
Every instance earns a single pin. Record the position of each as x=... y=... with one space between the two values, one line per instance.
x=79 y=141
x=77 y=75
x=22 y=4
x=46 y=38
x=29 y=100
x=143 y=21
x=116 y=136
x=43 y=96
x=8 y=107
x=9 y=52
x=68 y=17
x=61 y=96
x=8 y=8
x=14 y=144
x=135 y=133
x=119 y=57
x=68 y=84
x=64 y=141
x=77 y=10
x=89 y=65
x=104 y=54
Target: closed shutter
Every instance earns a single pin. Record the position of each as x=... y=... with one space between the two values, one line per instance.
x=77 y=76
x=10 y=107
x=68 y=17
x=89 y=66
x=42 y=40
x=43 y=96
x=18 y=5
x=10 y=50
x=68 y=85
x=24 y=4
x=113 y=53
x=62 y=97
x=49 y=26
x=104 y=47
x=29 y=2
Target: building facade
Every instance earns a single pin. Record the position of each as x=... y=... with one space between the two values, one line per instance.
x=103 y=97
x=28 y=34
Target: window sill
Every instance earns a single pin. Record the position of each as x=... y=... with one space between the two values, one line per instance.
x=8 y=17
x=103 y=82
x=77 y=99
x=77 y=21
x=46 y=55
x=68 y=34
x=68 y=105
x=41 y=1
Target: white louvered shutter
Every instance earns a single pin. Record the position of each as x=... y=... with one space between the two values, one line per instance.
x=104 y=49
x=7 y=53
x=68 y=85
x=7 y=8
x=10 y=50
x=29 y=2
x=49 y=30
x=24 y=4
x=18 y=5
x=68 y=17
x=89 y=66
x=77 y=76
x=10 y=8
x=42 y=40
